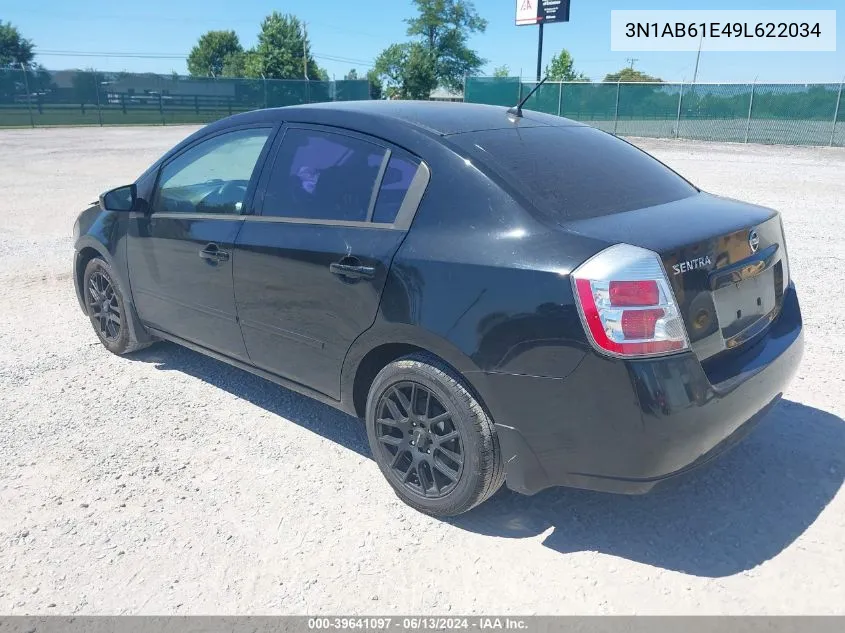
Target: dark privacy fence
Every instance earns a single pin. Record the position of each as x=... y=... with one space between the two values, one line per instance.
x=795 y=114
x=44 y=97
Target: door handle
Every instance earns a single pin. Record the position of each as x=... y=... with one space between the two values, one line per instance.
x=352 y=271
x=213 y=253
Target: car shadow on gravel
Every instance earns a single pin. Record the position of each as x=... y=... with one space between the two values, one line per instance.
x=728 y=516
x=315 y=416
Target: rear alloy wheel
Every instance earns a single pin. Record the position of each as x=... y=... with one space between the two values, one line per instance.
x=430 y=437
x=420 y=440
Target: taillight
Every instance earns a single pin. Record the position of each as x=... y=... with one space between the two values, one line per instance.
x=626 y=304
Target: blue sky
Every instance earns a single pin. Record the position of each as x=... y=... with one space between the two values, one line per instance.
x=351 y=33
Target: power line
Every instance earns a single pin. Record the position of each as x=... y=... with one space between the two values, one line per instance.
x=138 y=55
x=361 y=62
x=109 y=54
x=191 y=19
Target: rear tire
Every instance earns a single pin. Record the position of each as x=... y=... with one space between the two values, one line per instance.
x=108 y=310
x=431 y=438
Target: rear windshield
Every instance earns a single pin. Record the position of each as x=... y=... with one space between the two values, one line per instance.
x=572 y=173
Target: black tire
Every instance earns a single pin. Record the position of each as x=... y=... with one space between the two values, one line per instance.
x=119 y=338
x=480 y=472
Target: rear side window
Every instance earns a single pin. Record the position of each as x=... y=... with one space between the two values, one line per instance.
x=323 y=176
x=571 y=173
x=398 y=176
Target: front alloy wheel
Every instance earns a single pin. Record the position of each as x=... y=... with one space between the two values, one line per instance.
x=107 y=308
x=103 y=307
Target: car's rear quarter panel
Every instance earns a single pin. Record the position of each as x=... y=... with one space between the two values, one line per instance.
x=482 y=284
x=479 y=273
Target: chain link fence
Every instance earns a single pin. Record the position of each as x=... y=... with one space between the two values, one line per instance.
x=793 y=114
x=37 y=97
x=799 y=114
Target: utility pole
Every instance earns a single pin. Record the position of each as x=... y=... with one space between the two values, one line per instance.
x=540 y=53
x=836 y=113
x=305 y=50
x=698 y=58
x=750 y=109
x=97 y=87
x=28 y=96
x=632 y=61
x=264 y=79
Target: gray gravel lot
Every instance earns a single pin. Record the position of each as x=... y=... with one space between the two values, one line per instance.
x=171 y=483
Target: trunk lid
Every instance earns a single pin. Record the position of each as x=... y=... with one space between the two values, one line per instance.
x=725 y=260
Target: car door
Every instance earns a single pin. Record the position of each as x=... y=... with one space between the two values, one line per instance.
x=310 y=268
x=180 y=253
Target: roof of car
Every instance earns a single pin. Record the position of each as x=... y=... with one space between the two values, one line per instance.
x=441 y=118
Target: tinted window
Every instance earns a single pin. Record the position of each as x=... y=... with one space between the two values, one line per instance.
x=211 y=177
x=322 y=176
x=570 y=173
x=397 y=179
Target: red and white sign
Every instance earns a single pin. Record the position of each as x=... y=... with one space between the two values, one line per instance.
x=536 y=11
x=527 y=12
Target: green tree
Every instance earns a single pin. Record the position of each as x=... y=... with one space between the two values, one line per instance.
x=502 y=71
x=407 y=70
x=438 y=54
x=444 y=26
x=39 y=80
x=351 y=75
x=282 y=46
x=236 y=64
x=213 y=52
x=14 y=48
x=420 y=73
x=629 y=74
x=562 y=68
x=376 y=87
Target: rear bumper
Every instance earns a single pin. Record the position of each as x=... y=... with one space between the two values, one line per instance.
x=624 y=426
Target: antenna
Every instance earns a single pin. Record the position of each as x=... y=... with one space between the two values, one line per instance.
x=517 y=110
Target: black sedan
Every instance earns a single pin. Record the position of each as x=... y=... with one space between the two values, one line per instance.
x=502 y=296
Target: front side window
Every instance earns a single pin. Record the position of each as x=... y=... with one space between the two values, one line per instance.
x=212 y=177
x=323 y=176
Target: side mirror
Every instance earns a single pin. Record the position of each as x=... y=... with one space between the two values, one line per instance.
x=120 y=199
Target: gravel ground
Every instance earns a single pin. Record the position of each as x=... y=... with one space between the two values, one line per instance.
x=171 y=483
